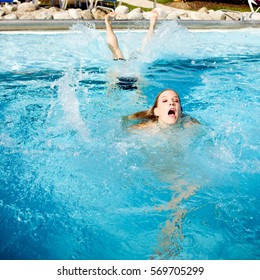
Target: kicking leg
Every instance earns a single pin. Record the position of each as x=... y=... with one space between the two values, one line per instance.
x=111 y=37
x=150 y=32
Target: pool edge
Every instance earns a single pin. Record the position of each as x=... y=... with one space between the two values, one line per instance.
x=48 y=25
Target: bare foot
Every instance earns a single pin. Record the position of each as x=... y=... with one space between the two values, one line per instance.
x=110 y=16
x=154 y=13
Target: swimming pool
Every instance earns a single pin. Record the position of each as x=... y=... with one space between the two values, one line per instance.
x=75 y=184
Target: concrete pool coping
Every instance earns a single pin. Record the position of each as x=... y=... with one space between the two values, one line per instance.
x=56 y=25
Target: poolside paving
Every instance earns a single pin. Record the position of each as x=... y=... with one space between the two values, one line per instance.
x=148 y=4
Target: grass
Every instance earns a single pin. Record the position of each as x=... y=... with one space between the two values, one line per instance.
x=163 y=1
x=131 y=7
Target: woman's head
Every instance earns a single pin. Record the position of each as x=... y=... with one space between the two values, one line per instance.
x=167 y=107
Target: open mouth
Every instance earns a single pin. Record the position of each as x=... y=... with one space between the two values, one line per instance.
x=171 y=112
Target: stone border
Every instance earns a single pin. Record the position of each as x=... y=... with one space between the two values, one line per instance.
x=28 y=16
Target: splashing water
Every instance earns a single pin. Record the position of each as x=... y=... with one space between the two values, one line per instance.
x=75 y=184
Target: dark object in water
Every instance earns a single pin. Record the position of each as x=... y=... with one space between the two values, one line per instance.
x=127 y=83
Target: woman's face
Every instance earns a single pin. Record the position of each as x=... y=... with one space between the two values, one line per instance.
x=168 y=108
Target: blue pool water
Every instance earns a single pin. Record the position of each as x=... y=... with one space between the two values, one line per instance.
x=75 y=184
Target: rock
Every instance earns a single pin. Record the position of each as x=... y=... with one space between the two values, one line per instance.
x=173 y=16
x=86 y=14
x=122 y=9
x=232 y=16
x=26 y=16
x=161 y=13
x=26 y=7
x=206 y=16
x=217 y=15
x=137 y=10
x=75 y=13
x=10 y=17
x=9 y=8
x=61 y=15
x=247 y=16
x=147 y=15
x=255 y=16
x=43 y=14
x=28 y=10
x=135 y=15
x=54 y=9
x=122 y=16
x=203 y=10
x=196 y=15
x=183 y=15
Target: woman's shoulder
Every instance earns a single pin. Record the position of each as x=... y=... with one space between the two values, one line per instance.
x=187 y=121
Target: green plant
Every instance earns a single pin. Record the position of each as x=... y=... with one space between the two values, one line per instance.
x=163 y=1
x=131 y=7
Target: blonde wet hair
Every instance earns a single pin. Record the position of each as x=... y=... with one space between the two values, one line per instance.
x=148 y=116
